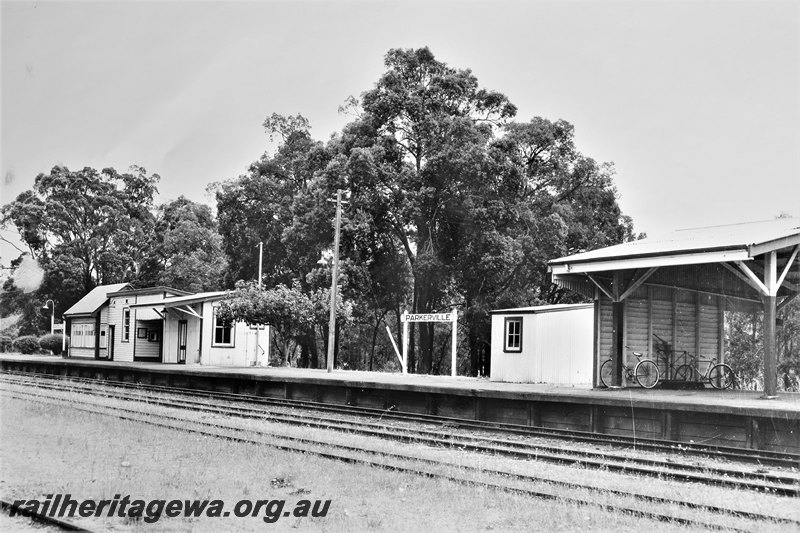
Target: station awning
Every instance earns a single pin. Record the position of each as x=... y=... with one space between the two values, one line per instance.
x=754 y=265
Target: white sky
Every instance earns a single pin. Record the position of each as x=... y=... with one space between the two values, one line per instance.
x=697 y=103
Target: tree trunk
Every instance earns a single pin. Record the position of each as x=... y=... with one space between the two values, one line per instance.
x=474 y=347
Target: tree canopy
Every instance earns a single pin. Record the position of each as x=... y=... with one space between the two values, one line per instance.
x=87 y=228
x=451 y=203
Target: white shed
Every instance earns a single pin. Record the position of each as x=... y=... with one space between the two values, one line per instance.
x=545 y=344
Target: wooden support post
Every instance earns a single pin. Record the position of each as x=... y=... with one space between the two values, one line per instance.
x=753 y=433
x=594 y=419
x=348 y=396
x=697 y=311
x=721 y=330
x=596 y=343
x=405 y=341
x=770 y=304
x=666 y=426
x=454 y=342
x=536 y=414
x=618 y=336
x=650 y=353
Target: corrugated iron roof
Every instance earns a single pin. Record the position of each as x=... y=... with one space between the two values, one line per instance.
x=151 y=290
x=173 y=301
x=742 y=236
x=542 y=309
x=89 y=304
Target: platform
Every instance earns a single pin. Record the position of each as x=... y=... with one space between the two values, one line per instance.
x=729 y=418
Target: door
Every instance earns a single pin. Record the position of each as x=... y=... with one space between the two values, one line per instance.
x=182 y=342
x=110 y=350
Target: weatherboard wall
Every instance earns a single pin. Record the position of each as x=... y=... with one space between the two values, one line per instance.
x=690 y=322
x=556 y=347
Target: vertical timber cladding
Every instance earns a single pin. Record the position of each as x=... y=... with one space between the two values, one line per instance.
x=688 y=321
x=605 y=332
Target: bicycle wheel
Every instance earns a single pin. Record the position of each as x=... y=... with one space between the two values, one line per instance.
x=605 y=373
x=684 y=373
x=646 y=373
x=721 y=376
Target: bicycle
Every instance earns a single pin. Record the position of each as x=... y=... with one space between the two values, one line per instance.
x=719 y=375
x=645 y=372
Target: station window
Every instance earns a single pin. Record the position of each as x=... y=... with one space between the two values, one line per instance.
x=513 y=334
x=83 y=335
x=126 y=324
x=223 y=332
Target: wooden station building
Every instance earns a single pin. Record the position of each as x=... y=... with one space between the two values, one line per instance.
x=668 y=295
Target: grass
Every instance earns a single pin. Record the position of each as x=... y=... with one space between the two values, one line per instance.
x=46 y=449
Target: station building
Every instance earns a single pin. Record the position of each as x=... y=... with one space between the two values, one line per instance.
x=160 y=324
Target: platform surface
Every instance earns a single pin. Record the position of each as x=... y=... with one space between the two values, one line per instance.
x=786 y=405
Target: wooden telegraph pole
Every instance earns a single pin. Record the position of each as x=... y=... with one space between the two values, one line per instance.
x=258 y=327
x=334 y=280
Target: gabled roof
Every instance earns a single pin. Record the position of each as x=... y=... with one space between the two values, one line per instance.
x=94 y=300
x=736 y=242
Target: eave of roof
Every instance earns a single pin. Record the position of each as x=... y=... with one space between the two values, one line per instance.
x=150 y=290
x=541 y=309
x=188 y=299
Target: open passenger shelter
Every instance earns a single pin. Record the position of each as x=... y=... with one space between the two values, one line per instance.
x=666 y=297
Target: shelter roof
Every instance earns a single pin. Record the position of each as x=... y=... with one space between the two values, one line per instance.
x=735 y=242
x=94 y=300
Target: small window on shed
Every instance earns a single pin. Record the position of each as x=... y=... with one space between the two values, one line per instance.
x=513 y=334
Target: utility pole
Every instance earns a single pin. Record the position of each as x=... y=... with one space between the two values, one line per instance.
x=260 y=264
x=334 y=280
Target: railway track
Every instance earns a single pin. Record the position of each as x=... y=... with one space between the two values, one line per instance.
x=652 y=507
x=776 y=483
x=41 y=518
x=387 y=460
x=760 y=457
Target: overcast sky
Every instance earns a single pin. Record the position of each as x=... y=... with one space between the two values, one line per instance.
x=696 y=103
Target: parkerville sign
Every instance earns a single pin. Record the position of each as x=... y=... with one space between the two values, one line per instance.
x=426 y=317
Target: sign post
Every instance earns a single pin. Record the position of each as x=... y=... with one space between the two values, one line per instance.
x=451 y=317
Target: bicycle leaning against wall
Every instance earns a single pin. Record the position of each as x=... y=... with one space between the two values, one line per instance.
x=719 y=375
x=645 y=372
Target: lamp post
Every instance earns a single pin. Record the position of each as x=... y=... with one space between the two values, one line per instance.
x=52 y=306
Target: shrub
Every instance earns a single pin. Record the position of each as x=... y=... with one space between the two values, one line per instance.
x=26 y=344
x=51 y=343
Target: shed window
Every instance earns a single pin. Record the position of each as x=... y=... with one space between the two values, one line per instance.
x=513 y=334
x=126 y=324
x=223 y=332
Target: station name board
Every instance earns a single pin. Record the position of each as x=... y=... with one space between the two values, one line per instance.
x=427 y=317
